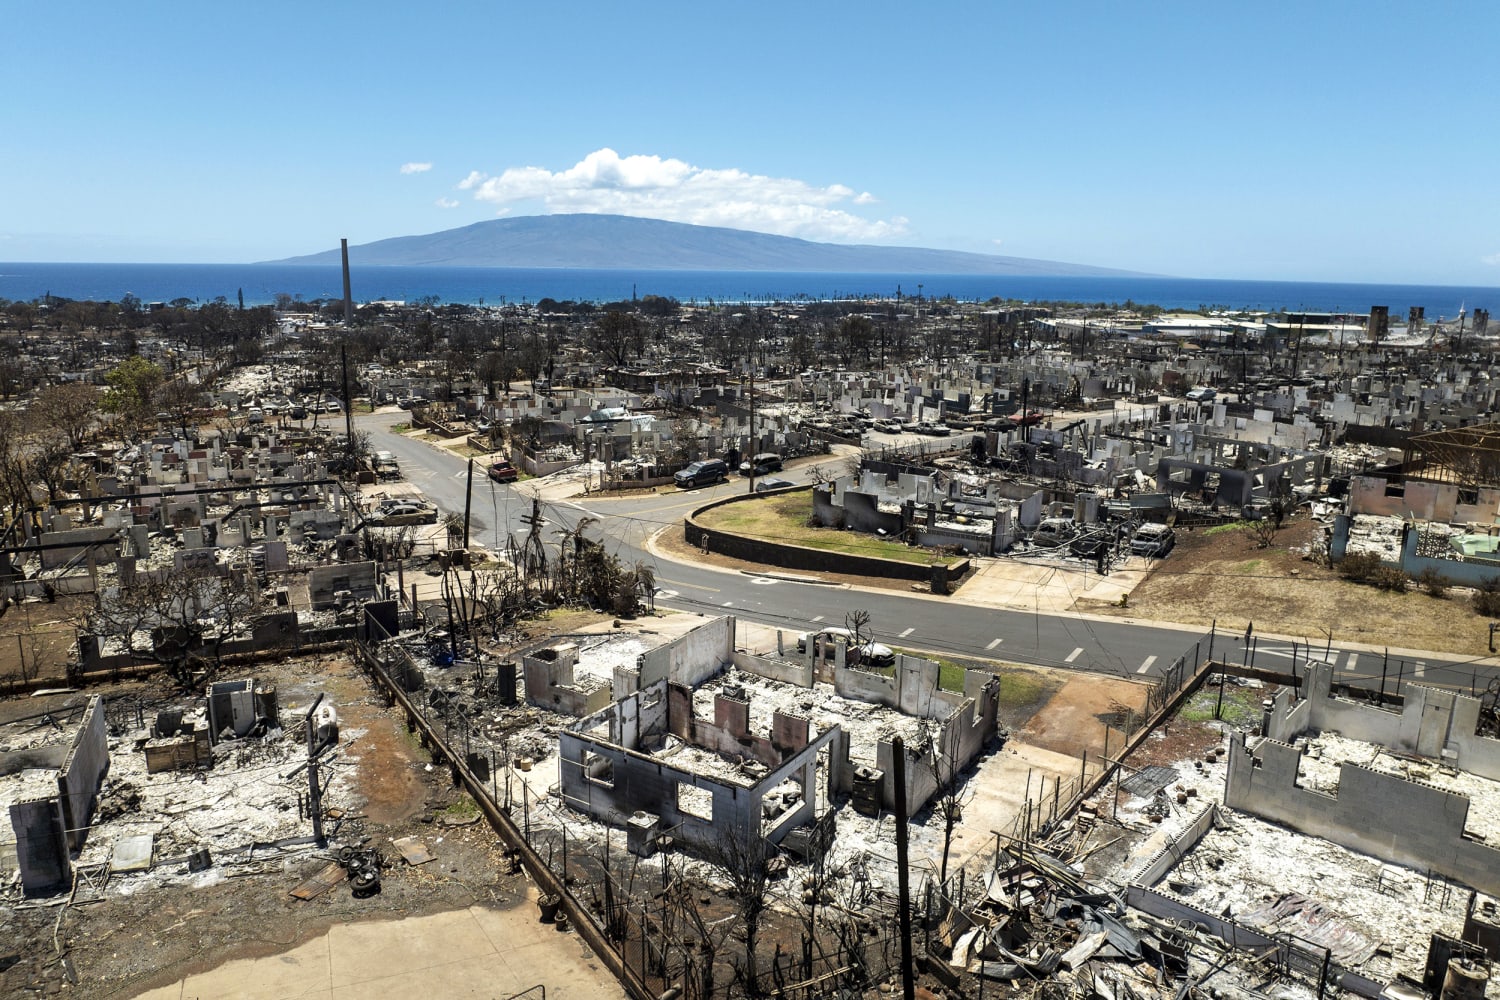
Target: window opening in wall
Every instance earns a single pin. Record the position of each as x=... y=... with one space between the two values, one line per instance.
x=696 y=802
x=599 y=769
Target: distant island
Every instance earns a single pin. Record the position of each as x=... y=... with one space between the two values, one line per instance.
x=617 y=241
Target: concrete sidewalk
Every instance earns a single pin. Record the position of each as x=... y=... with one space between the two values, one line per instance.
x=1049 y=586
x=476 y=952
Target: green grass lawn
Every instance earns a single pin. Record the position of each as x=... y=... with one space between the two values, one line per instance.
x=784 y=519
x=1242 y=706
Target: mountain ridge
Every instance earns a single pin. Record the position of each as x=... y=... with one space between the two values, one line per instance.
x=618 y=241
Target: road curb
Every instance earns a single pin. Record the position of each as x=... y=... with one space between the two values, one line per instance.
x=789 y=578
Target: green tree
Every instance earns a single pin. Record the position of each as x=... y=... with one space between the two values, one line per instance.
x=132 y=387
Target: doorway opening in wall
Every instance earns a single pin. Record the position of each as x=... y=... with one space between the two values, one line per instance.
x=694 y=801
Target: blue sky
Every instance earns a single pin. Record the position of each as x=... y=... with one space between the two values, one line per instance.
x=1316 y=141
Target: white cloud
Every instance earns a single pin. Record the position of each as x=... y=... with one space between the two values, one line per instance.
x=446 y=203
x=865 y=198
x=650 y=186
x=1492 y=259
x=415 y=168
x=998 y=242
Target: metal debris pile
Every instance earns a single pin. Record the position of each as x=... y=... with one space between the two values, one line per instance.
x=1040 y=927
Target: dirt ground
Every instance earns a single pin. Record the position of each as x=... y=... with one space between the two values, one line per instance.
x=1222 y=576
x=36 y=638
x=135 y=940
x=1074 y=717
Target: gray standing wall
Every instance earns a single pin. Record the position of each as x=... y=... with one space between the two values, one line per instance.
x=325 y=581
x=41 y=846
x=691 y=658
x=1470 y=571
x=954 y=746
x=798 y=672
x=912 y=689
x=82 y=772
x=1432 y=722
x=638 y=782
x=1406 y=822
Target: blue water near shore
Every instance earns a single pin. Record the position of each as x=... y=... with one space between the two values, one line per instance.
x=262 y=282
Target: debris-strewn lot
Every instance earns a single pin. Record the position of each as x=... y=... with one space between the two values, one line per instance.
x=1222 y=575
x=151 y=927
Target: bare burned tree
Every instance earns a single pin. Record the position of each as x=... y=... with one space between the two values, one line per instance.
x=941 y=760
x=190 y=613
x=69 y=409
x=738 y=859
x=858 y=622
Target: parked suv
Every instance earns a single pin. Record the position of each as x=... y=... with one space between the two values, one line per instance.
x=763 y=464
x=704 y=473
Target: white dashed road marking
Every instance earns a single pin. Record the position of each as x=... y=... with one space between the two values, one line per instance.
x=1073 y=655
x=994 y=643
x=908 y=632
x=1146 y=666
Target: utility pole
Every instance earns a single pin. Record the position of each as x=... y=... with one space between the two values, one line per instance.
x=750 y=479
x=903 y=873
x=314 y=785
x=468 y=502
x=348 y=410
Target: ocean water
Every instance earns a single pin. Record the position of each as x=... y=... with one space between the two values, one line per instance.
x=261 y=283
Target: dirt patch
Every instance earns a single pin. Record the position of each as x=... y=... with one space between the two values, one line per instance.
x=36 y=638
x=1223 y=576
x=1024 y=691
x=1073 y=719
x=394 y=790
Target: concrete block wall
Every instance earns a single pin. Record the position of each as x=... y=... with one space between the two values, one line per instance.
x=1392 y=818
x=913 y=689
x=1163 y=861
x=41 y=846
x=550 y=684
x=323 y=582
x=954 y=746
x=692 y=657
x=1467 y=571
x=1435 y=723
x=637 y=782
x=82 y=772
x=728 y=733
x=798 y=672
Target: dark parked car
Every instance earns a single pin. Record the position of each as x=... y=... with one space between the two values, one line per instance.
x=768 y=484
x=704 y=473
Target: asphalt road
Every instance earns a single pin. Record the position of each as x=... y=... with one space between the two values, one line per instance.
x=917 y=622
